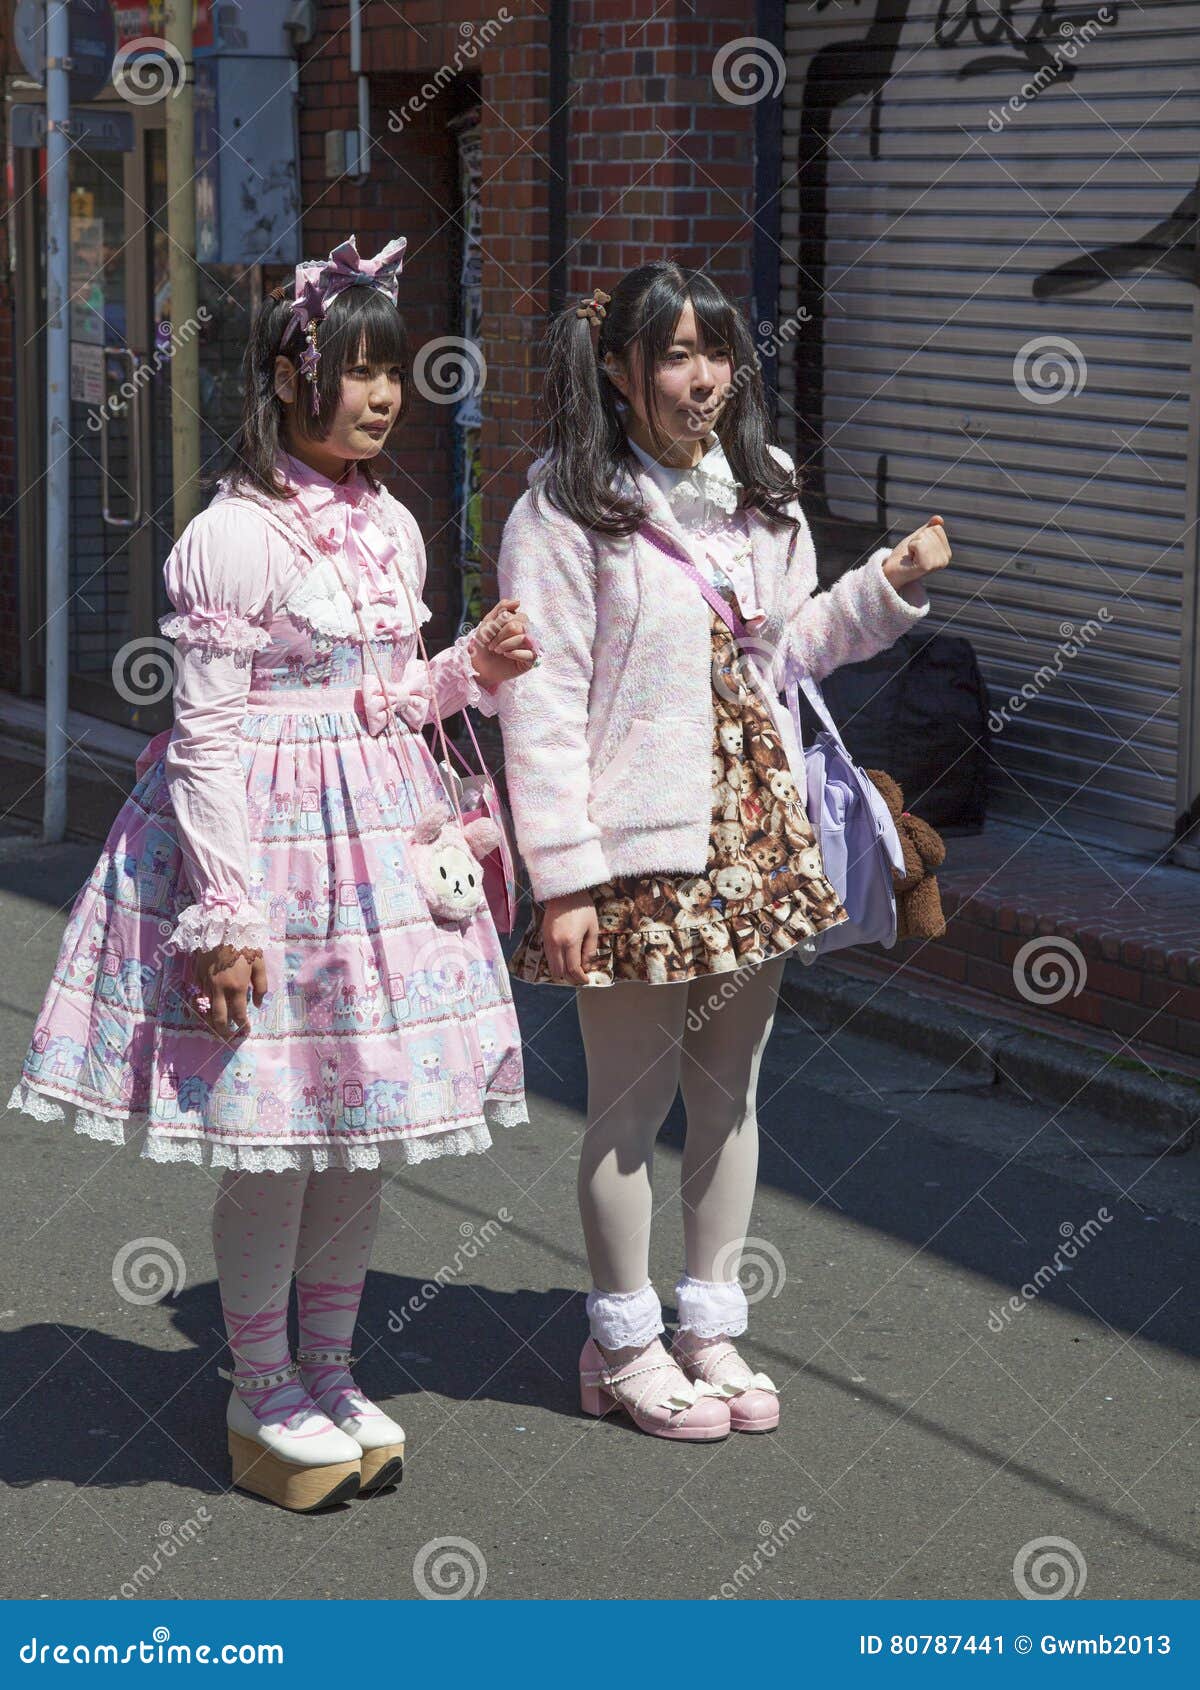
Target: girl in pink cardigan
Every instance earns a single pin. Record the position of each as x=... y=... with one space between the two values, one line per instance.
x=656 y=792
x=254 y=973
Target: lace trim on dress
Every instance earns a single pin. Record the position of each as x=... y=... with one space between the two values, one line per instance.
x=320 y=604
x=273 y=1158
x=216 y=633
x=710 y=1307
x=619 y=1318
x=202 y=927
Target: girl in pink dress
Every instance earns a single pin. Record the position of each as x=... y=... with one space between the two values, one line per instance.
x=658 y=795
x=252 y=972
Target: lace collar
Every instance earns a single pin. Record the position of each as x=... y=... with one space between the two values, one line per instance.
x=707 y=491
x=354 y=542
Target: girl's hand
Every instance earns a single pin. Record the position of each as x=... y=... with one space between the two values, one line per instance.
x=223 y=976
x=501 y=647
x=923 y=552
x=570 y=930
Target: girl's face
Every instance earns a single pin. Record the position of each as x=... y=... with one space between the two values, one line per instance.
x=369 y=405
x=690 y=389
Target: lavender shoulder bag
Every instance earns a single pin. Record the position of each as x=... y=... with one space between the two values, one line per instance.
x=857 y=836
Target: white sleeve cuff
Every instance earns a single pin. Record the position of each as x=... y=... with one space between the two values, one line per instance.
x=202 y=927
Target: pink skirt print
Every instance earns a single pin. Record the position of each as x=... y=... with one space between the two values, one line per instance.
x=384 y=1032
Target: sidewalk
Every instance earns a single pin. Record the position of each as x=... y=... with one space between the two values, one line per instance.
x=1107 y=1000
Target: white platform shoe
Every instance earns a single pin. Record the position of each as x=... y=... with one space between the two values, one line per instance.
x=378 y=1437
x=301 y=1461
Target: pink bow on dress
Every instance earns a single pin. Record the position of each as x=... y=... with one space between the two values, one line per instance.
x=378 y=703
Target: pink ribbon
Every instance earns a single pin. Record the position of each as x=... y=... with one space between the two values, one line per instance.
x=319 y=281
x=378 y=703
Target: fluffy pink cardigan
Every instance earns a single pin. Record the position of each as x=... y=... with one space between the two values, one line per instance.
x=608 y=741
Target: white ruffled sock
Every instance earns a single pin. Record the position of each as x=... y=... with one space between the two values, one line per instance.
x=709 y=1307
x=620 y=1319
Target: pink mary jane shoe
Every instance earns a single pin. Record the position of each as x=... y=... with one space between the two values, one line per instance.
x=655 y=1394
x=752 y=1398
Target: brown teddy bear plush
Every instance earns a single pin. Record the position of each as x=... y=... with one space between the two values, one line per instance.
x=918 y=901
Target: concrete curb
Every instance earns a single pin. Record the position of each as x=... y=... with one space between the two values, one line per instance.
x=1157 y=1114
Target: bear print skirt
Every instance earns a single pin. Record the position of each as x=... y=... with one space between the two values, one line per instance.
x=764 y=890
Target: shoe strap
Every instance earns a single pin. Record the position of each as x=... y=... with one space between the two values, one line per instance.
x=336 y=1358
x=260 y=1381
x=613 y=1377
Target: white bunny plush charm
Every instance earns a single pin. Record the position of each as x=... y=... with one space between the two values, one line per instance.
x=447 y=858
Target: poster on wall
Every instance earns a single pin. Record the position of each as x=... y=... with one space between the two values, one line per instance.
x=136 y=22
x=87 y=280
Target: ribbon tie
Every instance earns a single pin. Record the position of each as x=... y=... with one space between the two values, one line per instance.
x=756 y=1382
x=688 y=1395
x=379 y=704
x=321 y=280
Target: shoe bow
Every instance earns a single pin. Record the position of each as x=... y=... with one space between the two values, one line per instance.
x=756 y=1382
x=690 y=1393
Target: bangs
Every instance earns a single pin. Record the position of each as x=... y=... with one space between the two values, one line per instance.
x=360 y=322
x=664 y=302
x=714 y=315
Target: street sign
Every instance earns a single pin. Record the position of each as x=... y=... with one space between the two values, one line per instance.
x=93 y=43
x=98 y=131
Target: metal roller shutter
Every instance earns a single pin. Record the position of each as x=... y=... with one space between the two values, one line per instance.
x=1000 y=304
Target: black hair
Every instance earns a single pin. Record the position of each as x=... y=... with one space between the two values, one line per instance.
x=587 y=443
x=360 y=322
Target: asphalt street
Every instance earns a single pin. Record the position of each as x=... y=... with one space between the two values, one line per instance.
x=953 y=1393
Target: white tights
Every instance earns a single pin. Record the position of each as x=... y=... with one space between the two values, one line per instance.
x=267 y=1226
x=642 y=1042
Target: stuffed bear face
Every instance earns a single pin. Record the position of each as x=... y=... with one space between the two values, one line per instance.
x=455 y=879
x=783 y=787
x=767 y=852
x=730 y=736
x=735 y=882
x=694 y=895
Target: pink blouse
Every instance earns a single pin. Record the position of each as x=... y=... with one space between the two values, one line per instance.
x=238 y=586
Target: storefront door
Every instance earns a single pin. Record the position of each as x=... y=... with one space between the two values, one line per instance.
x=121 y=517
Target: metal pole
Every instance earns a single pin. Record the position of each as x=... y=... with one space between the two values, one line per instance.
x=58 y=416
x=181 y=261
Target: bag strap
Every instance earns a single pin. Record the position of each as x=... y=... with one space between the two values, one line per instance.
x=370 y=651
x=720 y=604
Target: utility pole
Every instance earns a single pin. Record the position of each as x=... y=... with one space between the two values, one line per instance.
x=58 y=416
x=181 y=261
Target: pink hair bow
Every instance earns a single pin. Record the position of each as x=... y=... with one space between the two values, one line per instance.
x=320 y=280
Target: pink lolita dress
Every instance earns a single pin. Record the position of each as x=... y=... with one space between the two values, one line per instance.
x=278 y=815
